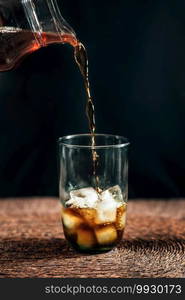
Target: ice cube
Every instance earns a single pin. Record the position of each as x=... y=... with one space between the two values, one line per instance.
x=85 y=238
x=83 y=198
x=106 y=235
x=70 y=220
x=121 y=218
x=89 y=215
x=114 y=193
x=106 y=211
x=106 y=208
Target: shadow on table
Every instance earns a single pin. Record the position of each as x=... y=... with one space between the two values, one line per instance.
x=35 y=249
x=31 y=249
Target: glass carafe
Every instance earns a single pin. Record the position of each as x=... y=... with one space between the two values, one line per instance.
x=26 y=26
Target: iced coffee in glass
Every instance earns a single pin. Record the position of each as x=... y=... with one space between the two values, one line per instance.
x=93 y=190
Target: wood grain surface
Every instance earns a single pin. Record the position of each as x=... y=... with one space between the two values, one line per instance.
x=32 y=242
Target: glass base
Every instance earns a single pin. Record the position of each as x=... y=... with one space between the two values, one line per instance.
x=94 y=250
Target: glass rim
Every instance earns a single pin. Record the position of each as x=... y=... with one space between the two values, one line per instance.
x=125 y=143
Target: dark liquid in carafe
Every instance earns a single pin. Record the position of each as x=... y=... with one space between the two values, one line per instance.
x=15 y=44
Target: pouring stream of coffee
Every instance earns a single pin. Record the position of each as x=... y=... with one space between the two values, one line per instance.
x=81 y=58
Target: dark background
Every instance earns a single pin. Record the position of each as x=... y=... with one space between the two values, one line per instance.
x=136 y=54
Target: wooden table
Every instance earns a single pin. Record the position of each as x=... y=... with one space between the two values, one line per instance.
x=32 y=242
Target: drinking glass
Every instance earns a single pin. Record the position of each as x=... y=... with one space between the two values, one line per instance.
x=93 y=193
